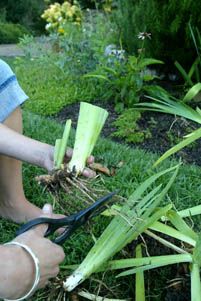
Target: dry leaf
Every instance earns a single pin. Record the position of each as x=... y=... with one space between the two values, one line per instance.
x=99 y=167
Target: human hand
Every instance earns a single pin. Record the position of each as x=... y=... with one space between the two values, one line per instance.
x=18 y=146
x=49 y=161
x=20 y=264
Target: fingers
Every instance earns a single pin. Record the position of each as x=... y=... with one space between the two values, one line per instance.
x=86 y=172
x=90 y=160
x=47 y=212
x=69 y=153
x=52 y=267
x=89 y=173
x=59 y=254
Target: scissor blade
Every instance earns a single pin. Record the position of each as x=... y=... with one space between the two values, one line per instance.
x=87 y=213
x=83 y=216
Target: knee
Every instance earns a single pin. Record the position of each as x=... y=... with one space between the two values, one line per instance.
x=14 y=120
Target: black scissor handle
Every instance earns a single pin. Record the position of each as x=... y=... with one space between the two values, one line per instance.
x=53 y=224
x=73 y=221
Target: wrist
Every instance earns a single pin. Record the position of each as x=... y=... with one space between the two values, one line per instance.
x=16 y=264
x=48 y=157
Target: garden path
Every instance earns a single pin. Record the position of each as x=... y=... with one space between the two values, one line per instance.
x=10 y=50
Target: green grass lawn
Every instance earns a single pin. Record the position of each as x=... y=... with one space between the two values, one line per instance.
x=48 y=87
x=137 y=166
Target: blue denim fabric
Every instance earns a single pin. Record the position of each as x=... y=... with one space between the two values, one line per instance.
x=11 y=94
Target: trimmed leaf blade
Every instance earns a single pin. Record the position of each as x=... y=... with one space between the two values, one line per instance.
x=139 y=281
x=149 y=263
x=90 y=122
x=134 y=218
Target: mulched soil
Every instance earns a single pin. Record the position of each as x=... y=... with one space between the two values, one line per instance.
x=166 y=131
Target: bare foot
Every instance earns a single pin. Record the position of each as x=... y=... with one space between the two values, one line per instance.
x=22 y=211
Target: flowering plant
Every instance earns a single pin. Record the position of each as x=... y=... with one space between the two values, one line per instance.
x=57 y=15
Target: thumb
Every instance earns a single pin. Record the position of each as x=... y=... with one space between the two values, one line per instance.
x=46 y=212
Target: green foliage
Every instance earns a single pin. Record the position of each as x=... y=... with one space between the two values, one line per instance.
x=50 y=90
x=106 y=5
x=125 y=79
x=167 y=21
x=57 y=15
x=25 y=12
x=10 y=33
x=128 y=128
x=83 y=47
x=2 y=15
x=171 y=105
x=194 y=74
x=52 y=73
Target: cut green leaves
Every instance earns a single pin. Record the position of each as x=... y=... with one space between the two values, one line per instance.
x=90 y=122
x=61 y=145
x=139 y=281
x=136 y=216
x=148 y=263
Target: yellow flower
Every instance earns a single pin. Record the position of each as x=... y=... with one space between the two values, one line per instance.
x=73 y=9
x=66 y=6
x=69 y=13
x=58 y=14
x=61 y=30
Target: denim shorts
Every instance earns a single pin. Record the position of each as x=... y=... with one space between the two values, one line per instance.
x=11 y=94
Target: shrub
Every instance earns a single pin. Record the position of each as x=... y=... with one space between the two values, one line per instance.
x=168 y=23
x=57 y=15
x=81 y=48
x=125 y=79
x=53 y=78
x=128 y=128
x=25 y=12
x=10 y=33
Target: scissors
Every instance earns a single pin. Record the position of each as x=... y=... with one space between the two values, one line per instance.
x=72 y=222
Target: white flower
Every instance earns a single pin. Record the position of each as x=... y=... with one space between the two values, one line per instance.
x=144 y=35
x=48 y=25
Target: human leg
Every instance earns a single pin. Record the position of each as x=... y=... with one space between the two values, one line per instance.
x=13 y=203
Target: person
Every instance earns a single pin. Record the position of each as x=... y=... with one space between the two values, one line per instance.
x=30 y=253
